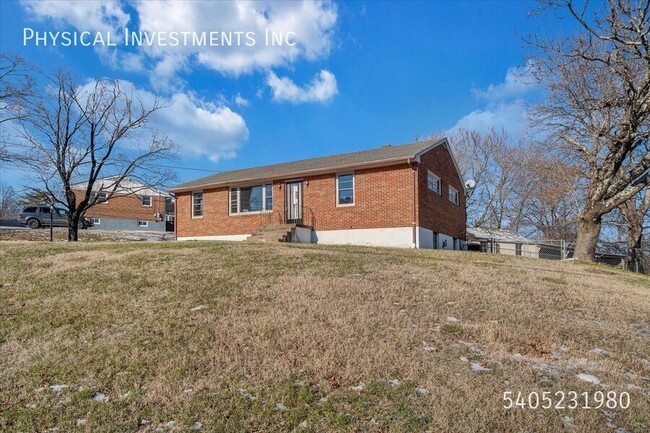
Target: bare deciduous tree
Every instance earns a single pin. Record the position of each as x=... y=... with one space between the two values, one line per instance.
x=552 y=205
x=598 y=105
x=8 y=202
x=502 y=180
x=76 y=134
x=635 y=213
x=16 y=85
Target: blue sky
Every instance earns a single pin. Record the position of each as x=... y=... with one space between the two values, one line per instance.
x=360 y=75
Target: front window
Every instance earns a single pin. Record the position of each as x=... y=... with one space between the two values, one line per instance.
x=433 y=182
x=345 y=189
x=257 y=198
x=453 y=196
x=146 y=200
x=197 y=204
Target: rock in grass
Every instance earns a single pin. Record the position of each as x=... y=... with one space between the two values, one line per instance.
x=169 y=425
x=100 y=397
x=428 y=347
x=568 y=422
x=452 y=319
x=394 y=383
x=463 y=359
x=599 y=352
x=247 y=395
x=58 y=388
x=588 y=378
x=145 y=422
x=280 y=407
x=197 y=426
x=421 y=391
x=478 y=368
x=81 y=421
x=358 y=388
x=198 y=308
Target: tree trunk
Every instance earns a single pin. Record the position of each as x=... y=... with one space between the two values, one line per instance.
x=587 y=240
x=73 y=228
x=634 y=238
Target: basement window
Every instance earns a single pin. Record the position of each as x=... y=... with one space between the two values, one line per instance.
x=345 y=189
x=197 y=204
x=251 y=199
x=97 y=221
x=433 y=182
x=143 y=223
x=146 y=200
x=453 y=196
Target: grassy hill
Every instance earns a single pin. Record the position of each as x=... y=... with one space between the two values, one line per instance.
x=271 y=337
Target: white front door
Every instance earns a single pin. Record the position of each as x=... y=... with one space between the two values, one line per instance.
x=294 y=202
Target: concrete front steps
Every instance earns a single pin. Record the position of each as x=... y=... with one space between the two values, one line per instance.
x=273 y=233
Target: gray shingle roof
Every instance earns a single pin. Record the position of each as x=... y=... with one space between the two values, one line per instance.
x=305 y=166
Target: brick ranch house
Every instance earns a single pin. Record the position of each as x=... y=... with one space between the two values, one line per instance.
x=133 y=206
x=410 y=195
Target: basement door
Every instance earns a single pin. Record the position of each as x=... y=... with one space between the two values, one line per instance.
x=294 y=202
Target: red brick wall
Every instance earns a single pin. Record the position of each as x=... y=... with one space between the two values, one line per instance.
x=383 y=198
x=436 y=212
x=126 y=206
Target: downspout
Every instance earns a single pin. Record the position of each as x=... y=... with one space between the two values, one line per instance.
x=414 y=165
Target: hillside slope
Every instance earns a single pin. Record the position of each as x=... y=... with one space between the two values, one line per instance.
x=271 y=337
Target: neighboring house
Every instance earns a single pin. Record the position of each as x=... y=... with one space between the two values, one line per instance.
x=499 y=241
x=410 y=195
x=133 y=206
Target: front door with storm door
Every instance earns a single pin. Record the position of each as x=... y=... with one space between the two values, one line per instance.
x=294 y=202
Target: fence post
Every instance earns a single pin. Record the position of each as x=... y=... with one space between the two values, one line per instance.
x=562 y=249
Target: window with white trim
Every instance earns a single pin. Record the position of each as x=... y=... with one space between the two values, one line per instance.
x=433 y=182
x=143 y=223
x=345 y=189
x=146 y=200
x=453 y=195
x=102 y=197
x=197 y=204
x=248 y=199
x=97 y=221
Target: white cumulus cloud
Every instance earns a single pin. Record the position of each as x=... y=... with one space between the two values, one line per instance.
x=518 y=82
x=322 y=88
x=199 y=129
x=505 y=104
x=95 y=16
x=307 y=25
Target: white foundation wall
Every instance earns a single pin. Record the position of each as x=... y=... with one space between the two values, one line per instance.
x=401 y=237
x=303 y=235
x=426 y=238
x=213 y=238
x=442 y=238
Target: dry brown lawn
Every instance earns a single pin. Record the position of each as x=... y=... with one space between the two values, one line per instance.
x=270 y=337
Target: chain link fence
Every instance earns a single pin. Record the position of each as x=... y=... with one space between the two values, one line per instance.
x=560 y=249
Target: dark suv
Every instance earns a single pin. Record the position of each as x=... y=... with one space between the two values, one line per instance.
x=36 y=216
